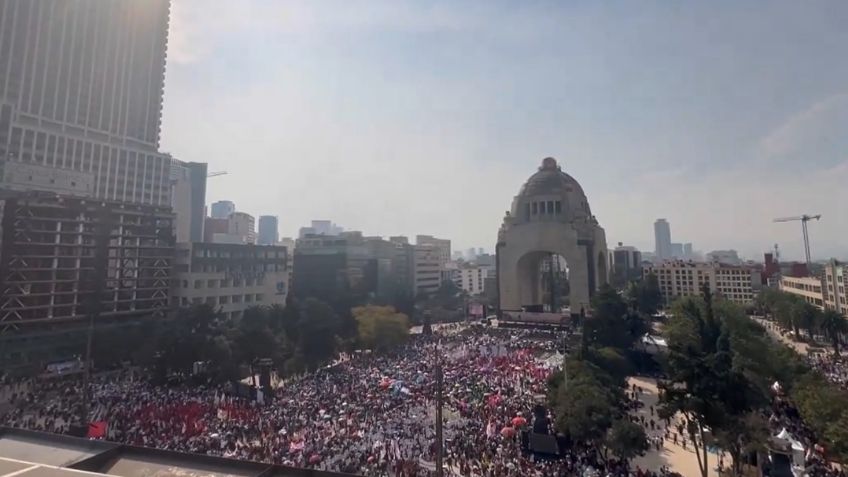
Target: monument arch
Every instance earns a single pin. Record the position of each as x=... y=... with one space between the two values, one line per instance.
x=549 y=217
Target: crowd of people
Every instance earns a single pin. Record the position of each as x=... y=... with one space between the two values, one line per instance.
x=832 y=366
x=370 y=414
x=784 y=416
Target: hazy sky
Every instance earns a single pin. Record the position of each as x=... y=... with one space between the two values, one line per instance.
x=396 y=117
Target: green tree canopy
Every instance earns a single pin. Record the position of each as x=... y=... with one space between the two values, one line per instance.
x=625 y=439
x=380 y=327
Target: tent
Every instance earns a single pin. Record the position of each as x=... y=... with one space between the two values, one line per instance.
x=795 y=447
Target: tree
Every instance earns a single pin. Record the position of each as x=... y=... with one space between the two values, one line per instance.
x=254 y=337
x=380 y=327
x=703 y=385
x=319 y=329
x=585 y=411
x=187 y=338
x=626 y=439
x=612 y=324
x=646 y=295
x=804 y=317
x=586 y=403
x=743 y=436
x=834 y=326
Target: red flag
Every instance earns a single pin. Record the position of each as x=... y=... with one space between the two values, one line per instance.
x=97 y=430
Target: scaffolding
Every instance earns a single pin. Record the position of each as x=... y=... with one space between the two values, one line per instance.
x=65 y=258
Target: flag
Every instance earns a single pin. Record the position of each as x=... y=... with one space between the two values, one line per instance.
x=97 y=430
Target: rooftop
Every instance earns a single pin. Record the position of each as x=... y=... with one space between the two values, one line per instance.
x=37 y=454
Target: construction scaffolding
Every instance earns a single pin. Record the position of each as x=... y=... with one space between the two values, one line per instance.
x=64 y=259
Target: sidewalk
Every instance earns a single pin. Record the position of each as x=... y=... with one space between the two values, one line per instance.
x=678 y=459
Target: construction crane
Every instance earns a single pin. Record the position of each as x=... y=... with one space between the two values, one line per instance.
x=803 y=219
x=216 y=174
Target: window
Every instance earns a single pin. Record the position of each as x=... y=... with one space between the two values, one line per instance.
x=550 y=207
x=535 y=206
x=198 y=284
x=212 y=283
x=558 y=207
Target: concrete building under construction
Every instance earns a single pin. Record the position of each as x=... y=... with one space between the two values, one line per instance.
x=65 y=261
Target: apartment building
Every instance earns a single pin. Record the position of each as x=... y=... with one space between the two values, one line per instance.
x=230 y=277
x=808 y=288
x=470 y=278
x=427 y=268
x=677 y=278
x=835 y=286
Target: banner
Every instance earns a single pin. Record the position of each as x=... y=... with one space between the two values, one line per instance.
x=97 y=430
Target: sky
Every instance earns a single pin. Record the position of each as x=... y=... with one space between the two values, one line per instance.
x=425 y=117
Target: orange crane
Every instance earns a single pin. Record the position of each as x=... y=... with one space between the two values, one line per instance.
x=803 y=219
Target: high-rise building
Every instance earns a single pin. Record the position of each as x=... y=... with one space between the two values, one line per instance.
x=320 y=227
x=688 y=252
x=662 y=238
x=268 y=230
x=326 y=266
x=188 y=199
x=81 y=85
x=242 y=225
x=443 y=246
x=62 y=257
x=471 y=279
x=427 y=268
x=625 y=265
x=222 y=209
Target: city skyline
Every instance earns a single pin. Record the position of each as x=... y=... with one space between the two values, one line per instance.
x=717 y=126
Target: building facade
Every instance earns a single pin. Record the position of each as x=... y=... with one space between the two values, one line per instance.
x=222 y=209
x=63 y=258
x=269 y=233
x=808 y=288
x=81 y=85
x=677 y=278
x=662 y=240
x=427 y=268
x=825 y=292
x=241 y=226
x=188 y=199
x=471 y=279
x=327 y=267
x=22 y=177
x=442 y=245
x=836 y=286
x=728 y=257
x=625 y=265
x=230 y=277
x=320 y=227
